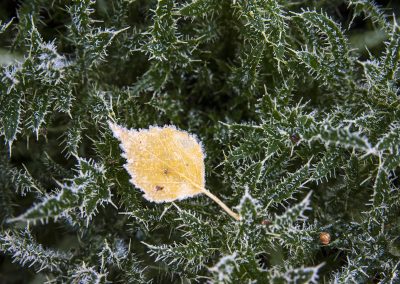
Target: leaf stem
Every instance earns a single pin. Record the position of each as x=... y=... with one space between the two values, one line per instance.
x=220 y=203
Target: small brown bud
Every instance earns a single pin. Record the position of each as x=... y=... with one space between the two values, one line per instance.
x=324 y=238
x=265 y=222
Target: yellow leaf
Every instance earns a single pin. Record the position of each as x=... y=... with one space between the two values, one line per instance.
x=165 y=163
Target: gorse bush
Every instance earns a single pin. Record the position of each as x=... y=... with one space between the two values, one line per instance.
x=296 y=103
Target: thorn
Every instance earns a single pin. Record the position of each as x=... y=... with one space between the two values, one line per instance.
x=112 y=203
x=165 y=211
x=9 y=147
x=121 y=30
x=177 y=207
x=13 y=220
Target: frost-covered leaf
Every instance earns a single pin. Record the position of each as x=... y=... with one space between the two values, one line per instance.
x=88 y=274
x=222 y=271
x=248 y=209
x=293 y=214
x=83 y=194
x=339 y=136
x=24 y=182
x=390 y=141
x=289 y=185
x=371 y=10
x=165 y=163
x=24 y=249
x=392 y=55
x=187 y=258
x=297 y=275
x=326 y=166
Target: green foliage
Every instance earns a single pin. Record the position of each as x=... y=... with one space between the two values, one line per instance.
x=79 y=198
x=301 y=132
x=25 y=250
